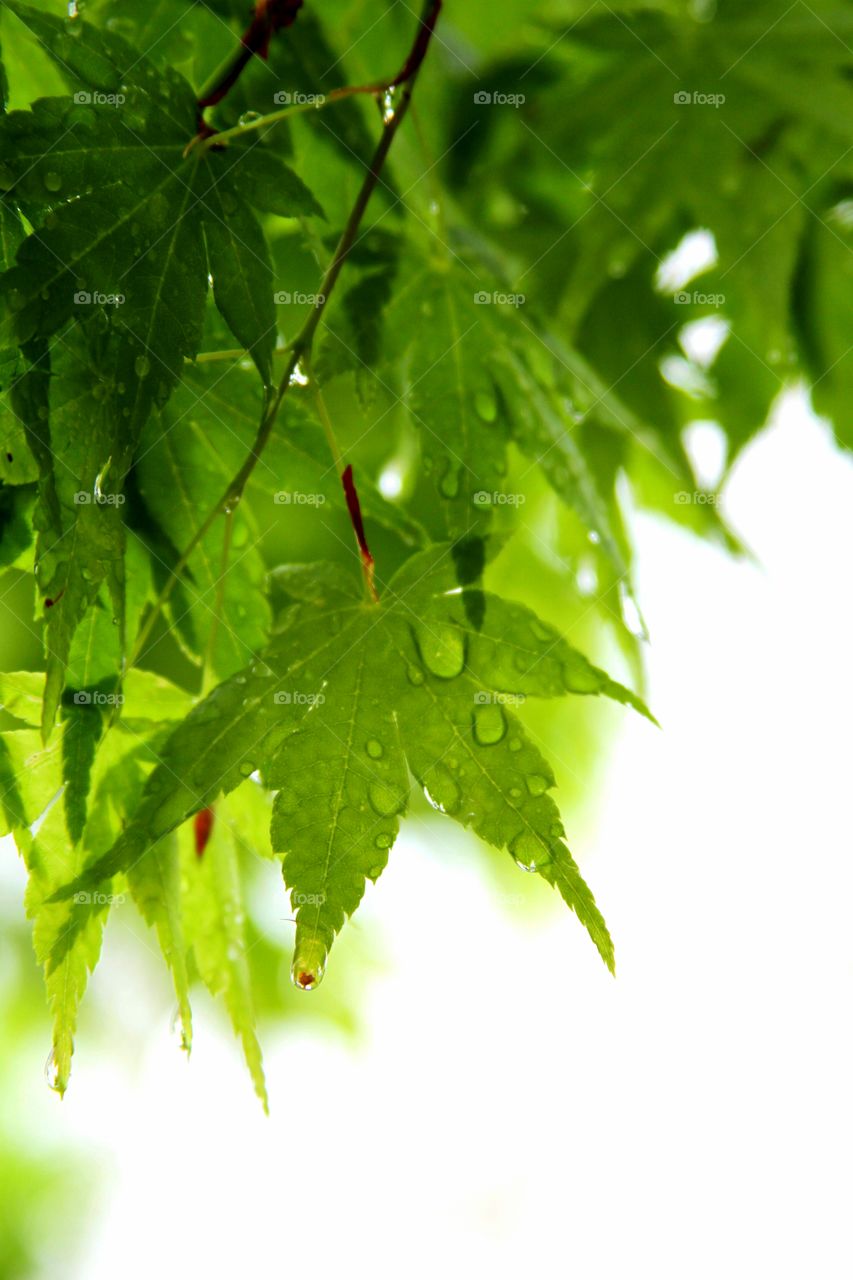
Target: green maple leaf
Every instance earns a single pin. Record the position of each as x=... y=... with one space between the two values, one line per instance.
x=345 y=697
x=121 y=216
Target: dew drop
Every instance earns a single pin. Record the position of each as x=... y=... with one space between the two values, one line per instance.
x=247 y=768
x=179 y=1031
x=541 y=632
x=631 y=615
x=486 y=405
x=515 y=744
x=489 y=724
x=442 y=648
x=449 y=484
x=387 y=105
x=373 y=748
x=415 y=675
x=529 y=852
x=142 y=366
x=386 y=800
x=52 y=181
x=579 y=676
x=51 y=1072
x=536 y=784
x=248 y=117
x=383 y=840
x=298 y=378
x=441 y=790
x=309 y=965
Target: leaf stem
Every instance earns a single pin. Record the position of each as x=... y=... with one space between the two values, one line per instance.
x=301 y=345
x=406 y=74
x=208 y=678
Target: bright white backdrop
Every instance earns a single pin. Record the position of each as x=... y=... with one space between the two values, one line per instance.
x=511 y=1109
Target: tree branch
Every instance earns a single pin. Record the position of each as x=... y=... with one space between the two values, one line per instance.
x=301 y=345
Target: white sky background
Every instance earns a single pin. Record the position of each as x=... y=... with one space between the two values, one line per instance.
x=512 y=1110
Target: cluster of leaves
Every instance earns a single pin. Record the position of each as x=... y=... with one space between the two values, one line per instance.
x=216 y=689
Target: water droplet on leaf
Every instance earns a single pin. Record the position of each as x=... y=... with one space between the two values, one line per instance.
x=529 y=852
x=441 y=790
x=489 y=724
x=374 y=748
x=486 y=406
x=52 y=181
x=449 y=484
x=386 y=800
x=442 y=648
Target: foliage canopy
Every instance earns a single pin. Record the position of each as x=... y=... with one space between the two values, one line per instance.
x=265 y=288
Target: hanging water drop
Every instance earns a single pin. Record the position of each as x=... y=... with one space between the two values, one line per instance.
x=387 y=105
x=489 y=724
x=384 y=840
x=529 y=852
x=51 y=1072
x=441 y=790
x=631 y=615
x=179 y=1030
x=248 y=117
x=309 y=965
x=298 y=378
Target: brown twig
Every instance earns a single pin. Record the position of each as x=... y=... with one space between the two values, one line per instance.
x=269 y=17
